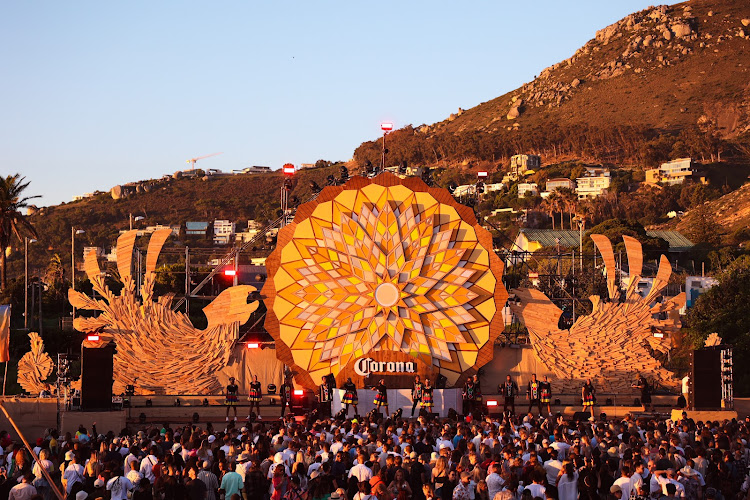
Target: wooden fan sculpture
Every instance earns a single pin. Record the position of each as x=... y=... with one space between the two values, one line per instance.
x=158 y=346
x=35 y=366
x=617 y=340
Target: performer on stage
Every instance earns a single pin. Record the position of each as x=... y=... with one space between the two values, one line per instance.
x=254 y=396
x=588 y=395
x=508 y=390
x=231 y=397
x=381 y=396
x=416 y=393
x=645 y=388
x=286 y=395
x=534 y=394
x=427 y=401
x=468 y=396
x=326 y=395
x=477 y=393
x=546 y=396
x=350 y=395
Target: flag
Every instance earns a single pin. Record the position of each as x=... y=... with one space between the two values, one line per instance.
x=4 y=334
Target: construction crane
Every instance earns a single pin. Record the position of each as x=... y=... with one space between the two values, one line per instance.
x=192 y=161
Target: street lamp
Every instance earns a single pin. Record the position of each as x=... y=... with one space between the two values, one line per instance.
x=26 y=242
x=135 y=219
x=73 y=233
x=385 y=127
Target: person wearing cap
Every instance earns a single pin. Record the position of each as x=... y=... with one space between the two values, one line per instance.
x=615 y=492
x=231 y=397
x=209 y=479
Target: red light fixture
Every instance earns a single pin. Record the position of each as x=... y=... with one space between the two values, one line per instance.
x=386 y=126
x=252 y=345
x=491 y=402
x=288 y=169
x=298 y=392
x=482 y=173
x=93 y=337
x=230 y=272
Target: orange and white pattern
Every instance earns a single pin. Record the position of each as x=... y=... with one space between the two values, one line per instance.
x=383 y=267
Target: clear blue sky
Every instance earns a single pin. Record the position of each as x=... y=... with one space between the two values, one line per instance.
x=96 y=94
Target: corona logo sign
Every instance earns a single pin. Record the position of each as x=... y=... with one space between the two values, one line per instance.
x=366 y=366
x=387 y=273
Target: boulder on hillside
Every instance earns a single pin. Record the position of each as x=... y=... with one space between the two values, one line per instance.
x=575 y=83
x=746 y=22
x=681 y=30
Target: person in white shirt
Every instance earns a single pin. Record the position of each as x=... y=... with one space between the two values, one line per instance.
x=567 y=483
x=537 y=488
x=494 y=480
x=147 y=464
x=624 y=481
x=552 y=466
x=119 y=487
x=361 y=471
x=23 y=490
x=73 y=472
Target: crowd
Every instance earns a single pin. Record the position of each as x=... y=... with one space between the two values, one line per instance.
x=522 y=457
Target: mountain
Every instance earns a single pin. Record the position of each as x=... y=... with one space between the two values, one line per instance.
x=673 y=69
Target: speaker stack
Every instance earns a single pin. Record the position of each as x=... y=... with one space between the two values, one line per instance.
x=96 y=378
x=712 y=380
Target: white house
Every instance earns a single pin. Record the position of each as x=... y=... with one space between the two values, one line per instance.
x=595 y=182
x=527 y=187
x=223 y=232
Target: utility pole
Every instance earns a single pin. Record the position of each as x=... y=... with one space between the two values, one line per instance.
x=187 y=280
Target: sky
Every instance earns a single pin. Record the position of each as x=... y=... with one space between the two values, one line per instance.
x=95 y=94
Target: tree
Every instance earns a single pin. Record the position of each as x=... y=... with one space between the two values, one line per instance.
x=12 y=220
x=723 y=309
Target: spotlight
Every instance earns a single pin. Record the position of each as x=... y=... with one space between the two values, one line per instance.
x=177 y=402
x=196 y=417
x=149 y=403
x=142 y=418
x=205 y=401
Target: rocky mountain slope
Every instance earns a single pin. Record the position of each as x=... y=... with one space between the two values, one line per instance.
x=663 y=67
x=662 y=70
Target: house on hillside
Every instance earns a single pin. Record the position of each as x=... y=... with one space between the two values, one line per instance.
x=520 y=165
x=223 y=232
x=194 y=228
x=559 y=183
x=255 y=169
x=531 y=240
x=672 y=172
x=528 y=187
x=253 y=228
x=595 y=182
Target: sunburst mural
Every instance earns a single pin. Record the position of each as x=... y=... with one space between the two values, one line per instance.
x=384 y=265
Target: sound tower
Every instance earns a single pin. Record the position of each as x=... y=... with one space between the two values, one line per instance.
x=706 y=379
x=96 y=378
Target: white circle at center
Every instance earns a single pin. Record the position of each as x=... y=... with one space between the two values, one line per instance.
x=386 y=294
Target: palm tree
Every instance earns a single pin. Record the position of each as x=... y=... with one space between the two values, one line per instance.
x=12 y=220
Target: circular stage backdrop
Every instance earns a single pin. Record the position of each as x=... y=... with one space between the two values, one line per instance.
x=384 y=278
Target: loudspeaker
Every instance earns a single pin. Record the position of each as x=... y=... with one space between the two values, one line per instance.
x=440 y=382
x=96 y=378
x=706 y=379
x=580 y=416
